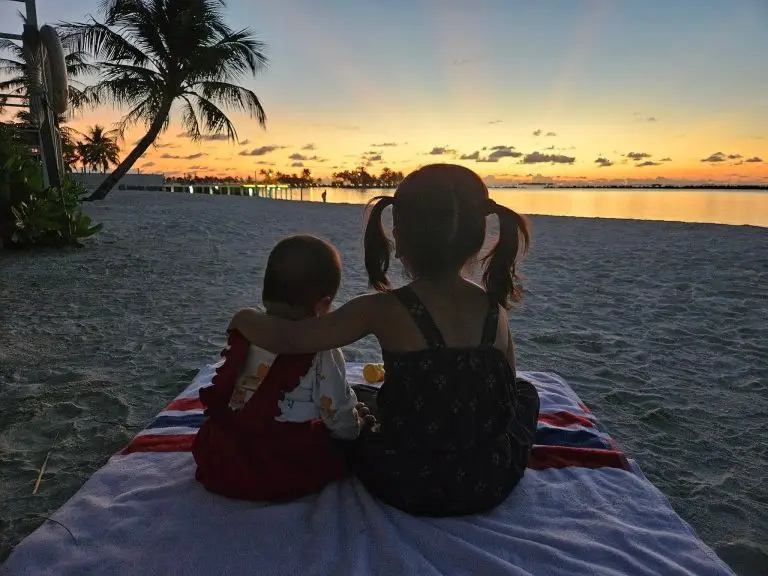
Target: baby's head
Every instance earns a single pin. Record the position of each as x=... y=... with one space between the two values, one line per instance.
x=439 y=220
x=302 y=277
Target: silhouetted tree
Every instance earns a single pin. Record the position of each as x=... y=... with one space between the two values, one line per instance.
x=154 y=53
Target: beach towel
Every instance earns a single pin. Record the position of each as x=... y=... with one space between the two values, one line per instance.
x=581 y=508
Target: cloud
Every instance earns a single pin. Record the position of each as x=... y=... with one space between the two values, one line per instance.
x=261 y=150
x=667 y=159
x=441 y=150
x=309 y=146
x=495 y=121
x=297 y=165
x=161 y=145
x=651 y=119
x=208 y=137
x=539 y=158
x=244 y=142
x=147 y=165
x=199 y=167
x=264 y=163
x=647 y=163
x=465 y=61
x=384 y=145
x=638 y=155
x=301 y=157
x=716 y=157
x=504 y=152
x=537 y=132
x=603 y=162
x=754 y=160
x=550 y=134
x=190 y=157
x=473 y=156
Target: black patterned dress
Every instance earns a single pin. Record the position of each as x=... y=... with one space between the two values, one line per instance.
x=456 y=429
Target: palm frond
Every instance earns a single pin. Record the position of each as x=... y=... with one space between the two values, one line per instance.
x=189 y=120
x=233 y=97
x=229 y=59
x=103 y=43
x=10 y=46
x=210 y=116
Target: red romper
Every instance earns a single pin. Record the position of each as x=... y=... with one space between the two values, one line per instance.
x=248 y=454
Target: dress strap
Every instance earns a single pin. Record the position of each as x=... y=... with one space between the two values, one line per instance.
x=421 y=316
x=491 y=324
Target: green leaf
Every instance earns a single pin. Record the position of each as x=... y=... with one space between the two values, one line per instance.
x=92 y=230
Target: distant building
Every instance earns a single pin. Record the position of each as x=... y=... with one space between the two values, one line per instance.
x=130 y=181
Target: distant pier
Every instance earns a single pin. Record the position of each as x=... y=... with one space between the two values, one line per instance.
x=274 y=191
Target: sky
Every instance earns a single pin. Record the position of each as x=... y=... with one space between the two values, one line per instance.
x=571 y=90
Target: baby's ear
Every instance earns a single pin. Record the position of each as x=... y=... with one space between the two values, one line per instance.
x=324 y=306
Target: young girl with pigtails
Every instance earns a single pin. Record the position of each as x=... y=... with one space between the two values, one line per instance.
x=454 y=425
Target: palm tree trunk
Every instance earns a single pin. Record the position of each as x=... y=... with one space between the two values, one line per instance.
x=128 y=162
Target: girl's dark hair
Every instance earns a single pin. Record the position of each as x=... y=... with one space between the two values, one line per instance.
x=439 y=215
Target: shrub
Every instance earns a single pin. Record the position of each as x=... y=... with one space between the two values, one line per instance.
x=30 y=214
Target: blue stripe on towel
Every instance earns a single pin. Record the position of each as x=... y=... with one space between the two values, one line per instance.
x=168 y=421
x=576 y=438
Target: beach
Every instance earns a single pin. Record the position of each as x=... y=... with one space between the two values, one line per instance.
x=660 y=327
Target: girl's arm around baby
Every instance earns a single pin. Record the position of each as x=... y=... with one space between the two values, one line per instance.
x=349 y=323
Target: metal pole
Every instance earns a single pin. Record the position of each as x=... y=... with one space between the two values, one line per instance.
x=31 y=11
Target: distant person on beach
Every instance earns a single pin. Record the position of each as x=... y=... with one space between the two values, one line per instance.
x=325 y=196
x=455 y=427
x=271 y=418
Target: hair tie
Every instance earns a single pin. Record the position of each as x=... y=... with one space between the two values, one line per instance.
x=492 y=207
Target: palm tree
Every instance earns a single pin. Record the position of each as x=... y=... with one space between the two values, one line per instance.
x=154 y=53
x=15 y=67
x=99 y=148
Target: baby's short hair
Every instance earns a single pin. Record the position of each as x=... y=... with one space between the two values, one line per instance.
x=301 y=271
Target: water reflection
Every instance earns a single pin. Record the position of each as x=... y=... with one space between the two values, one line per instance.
x=709 y=206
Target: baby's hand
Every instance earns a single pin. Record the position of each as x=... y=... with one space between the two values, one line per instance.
x=367 y=419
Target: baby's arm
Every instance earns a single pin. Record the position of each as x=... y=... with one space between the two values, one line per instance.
x=351 y=322
x=335 y=396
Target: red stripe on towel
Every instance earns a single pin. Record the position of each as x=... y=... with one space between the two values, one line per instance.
x=160 y=443
x=565 y=419
x=543 y=457
x=185 y=404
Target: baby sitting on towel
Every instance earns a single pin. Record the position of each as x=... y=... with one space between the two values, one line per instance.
x=271 y=419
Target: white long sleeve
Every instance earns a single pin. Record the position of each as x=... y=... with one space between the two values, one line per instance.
x=335 y=397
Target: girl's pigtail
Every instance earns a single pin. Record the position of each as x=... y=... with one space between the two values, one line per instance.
x=499 y=277
x=376 y=245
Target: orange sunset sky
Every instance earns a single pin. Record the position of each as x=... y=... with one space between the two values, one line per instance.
x=571 y=90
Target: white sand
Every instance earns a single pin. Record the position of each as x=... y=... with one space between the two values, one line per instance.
x=662 y=328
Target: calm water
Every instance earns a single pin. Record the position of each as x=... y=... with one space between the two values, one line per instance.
x=706 y=206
